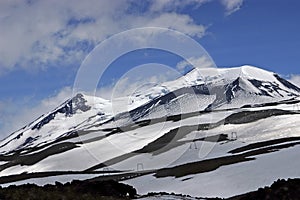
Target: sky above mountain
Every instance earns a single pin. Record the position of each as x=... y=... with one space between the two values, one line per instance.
x=43 y=43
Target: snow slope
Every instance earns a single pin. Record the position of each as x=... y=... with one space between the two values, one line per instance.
x=229 y=180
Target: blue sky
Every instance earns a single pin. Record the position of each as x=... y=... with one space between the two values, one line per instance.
x=42 y=43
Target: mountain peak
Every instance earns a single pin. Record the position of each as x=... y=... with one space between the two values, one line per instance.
x=257 y=73
x=230 y=74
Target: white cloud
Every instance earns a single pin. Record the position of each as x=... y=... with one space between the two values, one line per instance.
x=232 y=6
x=202 y=62
x=140 y=78
x=173 y=5
x=15 y=115
x=38 y=33
x=295 y=79
x=182 y=23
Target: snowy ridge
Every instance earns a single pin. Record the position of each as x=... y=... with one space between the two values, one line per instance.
x=245 y=82
x=213 y=88
x=61 y=121
x=208 y=124
x=200 y=89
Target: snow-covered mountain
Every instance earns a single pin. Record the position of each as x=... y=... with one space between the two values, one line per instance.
x=187 y=128
x=227 y=83
x=198 y=90
x=211 y=89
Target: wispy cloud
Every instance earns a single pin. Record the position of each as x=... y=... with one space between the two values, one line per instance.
x=232 y=6
x=39 y=34
x=173 y=5
x=13 y=116
x=295 y=79
x=137 y=80
x=202 y=62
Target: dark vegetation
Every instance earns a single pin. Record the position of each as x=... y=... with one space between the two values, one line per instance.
x=76 y=190
x=280 y=190
x=183 y=196
x=111 y=190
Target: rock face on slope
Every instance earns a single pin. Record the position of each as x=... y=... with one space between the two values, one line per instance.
x=70 y=107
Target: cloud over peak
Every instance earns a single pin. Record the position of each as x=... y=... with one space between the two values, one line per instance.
x=295 y=79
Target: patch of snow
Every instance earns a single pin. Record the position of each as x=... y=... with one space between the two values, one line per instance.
x=227 y=181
